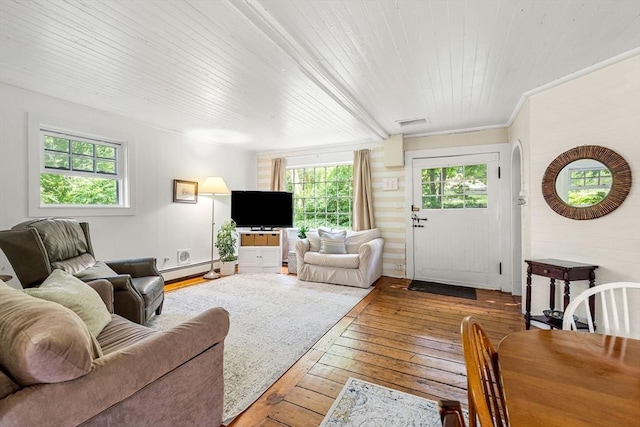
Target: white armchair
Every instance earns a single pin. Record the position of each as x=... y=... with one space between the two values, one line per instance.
x=360 y=265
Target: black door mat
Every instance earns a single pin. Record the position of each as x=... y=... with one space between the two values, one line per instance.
x=441 y=289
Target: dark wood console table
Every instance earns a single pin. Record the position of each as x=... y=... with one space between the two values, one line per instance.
x=557 y=269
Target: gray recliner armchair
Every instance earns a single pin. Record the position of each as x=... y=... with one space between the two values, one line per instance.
x=36 y=247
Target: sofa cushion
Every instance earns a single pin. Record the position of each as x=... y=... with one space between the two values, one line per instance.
x=330 y=260
x=42 y=341
x=76 y=264
x=77 y=296
x=99 y=270
x=121 y=333
x=355 y=239
x=7 y=385
x=332 y=242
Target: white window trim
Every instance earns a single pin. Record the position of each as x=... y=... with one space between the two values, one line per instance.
x=36 y=152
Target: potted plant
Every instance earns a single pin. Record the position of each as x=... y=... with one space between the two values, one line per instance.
x=302 y=232
x=226 y=244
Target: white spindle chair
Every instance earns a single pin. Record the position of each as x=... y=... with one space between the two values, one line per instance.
x=614 y=303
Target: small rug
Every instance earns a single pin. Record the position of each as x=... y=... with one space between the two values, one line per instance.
x=442 y=289
x=275 y=319
x=363 y=404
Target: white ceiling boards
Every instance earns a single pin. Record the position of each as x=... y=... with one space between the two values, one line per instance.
x=270 y=74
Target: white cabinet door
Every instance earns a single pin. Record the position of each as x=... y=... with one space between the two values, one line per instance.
x=249 y=256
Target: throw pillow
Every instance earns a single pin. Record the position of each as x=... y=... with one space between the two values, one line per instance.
x=332 y=242
x=332 y=234
x=41 y=341
x=314 y=241
x=73 y=293
x=314 y=238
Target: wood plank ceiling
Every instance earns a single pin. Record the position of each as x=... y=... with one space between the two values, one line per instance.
x=281 y=74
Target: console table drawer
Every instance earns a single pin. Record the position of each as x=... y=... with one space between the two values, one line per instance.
x=547 y=271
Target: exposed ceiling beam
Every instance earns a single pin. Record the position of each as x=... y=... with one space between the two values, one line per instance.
x=312 y=67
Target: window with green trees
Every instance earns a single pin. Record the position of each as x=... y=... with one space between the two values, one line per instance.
x=78 y=171
x=455 y=187
x=322 y=196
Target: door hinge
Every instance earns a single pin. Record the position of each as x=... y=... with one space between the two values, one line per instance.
x=498 y=172
x=500 y=267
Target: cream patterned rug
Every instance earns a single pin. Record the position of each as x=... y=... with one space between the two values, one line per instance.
x=363 y=404
x=275 y=319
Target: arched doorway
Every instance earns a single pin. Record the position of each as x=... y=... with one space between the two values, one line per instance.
x=517 y=200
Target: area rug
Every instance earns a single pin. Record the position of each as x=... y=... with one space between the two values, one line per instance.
x=274 y=318
x=442 y=289
x=365 y=404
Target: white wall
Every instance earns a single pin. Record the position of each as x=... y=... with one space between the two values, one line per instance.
x=159 y=227
x=601 y=108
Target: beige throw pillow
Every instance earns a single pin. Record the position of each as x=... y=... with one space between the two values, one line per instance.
x=73 y=293
x=41 y=341
x=332 y=242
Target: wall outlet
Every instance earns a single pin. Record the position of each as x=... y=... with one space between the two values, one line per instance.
x=399 y=266
x=184 y=256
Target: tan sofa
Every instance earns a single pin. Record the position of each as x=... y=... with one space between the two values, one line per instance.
x=359 y=266
x=135 y=376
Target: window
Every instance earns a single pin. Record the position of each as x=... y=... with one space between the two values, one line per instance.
x=455 y=187
x=322 y=196
x=77 y=171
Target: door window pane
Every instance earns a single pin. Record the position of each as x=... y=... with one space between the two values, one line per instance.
x=462 y=187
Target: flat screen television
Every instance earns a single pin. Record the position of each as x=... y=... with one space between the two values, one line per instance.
x=262 y=209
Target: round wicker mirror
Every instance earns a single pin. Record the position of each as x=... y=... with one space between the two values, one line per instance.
x=588 y=189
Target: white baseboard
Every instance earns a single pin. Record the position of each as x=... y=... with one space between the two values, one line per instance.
x=187 y=270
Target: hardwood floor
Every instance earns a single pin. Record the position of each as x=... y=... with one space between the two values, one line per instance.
x=406 y=340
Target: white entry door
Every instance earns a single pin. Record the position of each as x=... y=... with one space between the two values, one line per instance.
x=455 y=216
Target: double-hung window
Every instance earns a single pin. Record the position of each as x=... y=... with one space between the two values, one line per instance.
x=322 y=195
x=78 y=171
x=79 y=175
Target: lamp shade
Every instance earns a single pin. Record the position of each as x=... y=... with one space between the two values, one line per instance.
x=214 y=185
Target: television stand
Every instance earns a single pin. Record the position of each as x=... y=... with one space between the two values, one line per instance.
x=260 y=251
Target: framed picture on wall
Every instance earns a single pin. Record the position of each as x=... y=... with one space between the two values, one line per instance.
x=185 y=191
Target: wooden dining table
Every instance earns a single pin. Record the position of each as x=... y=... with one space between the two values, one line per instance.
x=568 y=378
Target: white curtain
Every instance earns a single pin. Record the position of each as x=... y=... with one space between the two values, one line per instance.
x=278 y=179
x=362 y=191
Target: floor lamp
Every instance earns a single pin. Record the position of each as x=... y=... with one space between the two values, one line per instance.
x=213 y=185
